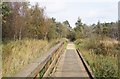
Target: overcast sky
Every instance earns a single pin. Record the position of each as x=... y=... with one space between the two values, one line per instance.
x=119 y=11
x=90 y=11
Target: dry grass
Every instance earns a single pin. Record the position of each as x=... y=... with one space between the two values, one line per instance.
x=17 y=54
x=110 y=41
x=102 y=65
x=0 y=60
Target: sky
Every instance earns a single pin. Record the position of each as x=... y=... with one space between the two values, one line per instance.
x=119 y=11
x=90 y=11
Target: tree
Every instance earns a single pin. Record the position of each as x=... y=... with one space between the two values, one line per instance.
x=66 y=23
x=71 y=35
x=52 y=34
x=11 y=20
x=6 y=12
x=105 y=29
x=79 y=29
x=21 y=21
x=98 y=28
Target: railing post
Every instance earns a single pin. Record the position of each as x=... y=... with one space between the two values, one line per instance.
x=38 y=68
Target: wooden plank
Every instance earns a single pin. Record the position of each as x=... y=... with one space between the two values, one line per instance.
x=55 y=57
x=70 y=64
x=87 y=66
x=34 y=68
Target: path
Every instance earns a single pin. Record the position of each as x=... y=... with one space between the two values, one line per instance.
x=69 y=64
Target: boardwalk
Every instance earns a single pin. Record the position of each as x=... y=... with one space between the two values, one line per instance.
x=69 y=64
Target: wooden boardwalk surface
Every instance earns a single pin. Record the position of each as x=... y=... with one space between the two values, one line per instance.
x=69 y=64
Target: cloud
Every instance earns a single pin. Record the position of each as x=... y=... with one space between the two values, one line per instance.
x=89 y=10
x=119 y=11
x=73 y=1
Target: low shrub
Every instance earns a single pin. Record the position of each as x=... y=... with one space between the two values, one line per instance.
x=101 y=56
x=105 y=66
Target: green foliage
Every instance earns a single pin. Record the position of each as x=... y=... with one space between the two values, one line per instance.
x=30 y=22
x=71 y=36
x=100 y=49
x=52 y=33
x=98 y=28
x=79 y=29
x=21 y=21
x=101 y=56
x=78 y=23
x=61 y=30
x=106 y=30
x=5 y=9
x=66 y=23
x=104 y=67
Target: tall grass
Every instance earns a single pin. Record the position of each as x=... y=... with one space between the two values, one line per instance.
x=102 y=65
x=17 y=54
x=0 y=59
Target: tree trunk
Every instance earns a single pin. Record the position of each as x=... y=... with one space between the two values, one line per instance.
x=20 y=34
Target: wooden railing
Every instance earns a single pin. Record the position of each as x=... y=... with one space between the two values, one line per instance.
x=41 y=65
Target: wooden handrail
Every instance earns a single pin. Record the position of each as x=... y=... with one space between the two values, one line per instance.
x=33 y=69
